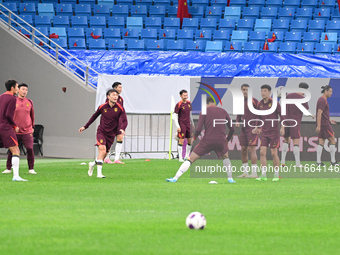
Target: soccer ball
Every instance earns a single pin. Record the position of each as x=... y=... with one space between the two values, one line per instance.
x=196 y=220
x=279 y=91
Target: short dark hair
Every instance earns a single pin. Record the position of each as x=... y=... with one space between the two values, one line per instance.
x=266 y=86
x=116 y=84
x=111 y=91
x=325 y=88
x=245 y=85
x=9 y=84
x=182 y=91
x=303 y=85
x=210 y=100
x=22 y=85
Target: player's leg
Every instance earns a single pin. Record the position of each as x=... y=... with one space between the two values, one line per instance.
x=332 y=150
x=184 y=167
x=276 y=163
x=118 y=149
x=107 y=158
x=244 y=157
x=263 y=161
x=285 y=148
x=180 y=150
x=253 y=159
x=8 y=163
x=319 y=149
x=15 y=162
x=102 y=150
x=189 y=146
x=27 y=141
x=227 y=164
x=296 y=152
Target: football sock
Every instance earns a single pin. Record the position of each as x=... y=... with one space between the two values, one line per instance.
x=245 y=168
x=284 y=153
x=264 y=171
x=188 y=149
x=99 y=166
x=318 y=153
x=332 y=151
x=254 y=168
x=182 y=169
x=227 y=163
x=15 y=165
x=296 y=152
x=276 y=171
x=118 y=149
x=180 y=151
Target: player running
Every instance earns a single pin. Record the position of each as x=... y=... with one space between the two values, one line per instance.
x=248 y=140
x=24 y=118
x=182 y=118
x=323 y=126
x=113 y=119
x=8 y=127
x=293 y=112
x=270 y=136
x=214 y=139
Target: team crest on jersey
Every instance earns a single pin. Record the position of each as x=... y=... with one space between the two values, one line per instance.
x=16 y=105
x=183 y=108
x=105 y=110
x=27 y=104
x=189 y=105
x=101 y=141
x=261 y=106
x=116 y=109
x=270 y=105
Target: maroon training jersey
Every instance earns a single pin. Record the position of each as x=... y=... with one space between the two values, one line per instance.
x=7 y=109
x=24 y=115
x=293 y=112
x=248 y=115
x=183 y=111
x=322 y=104
x=270 y=126
x=217 y=133
x=112 y=120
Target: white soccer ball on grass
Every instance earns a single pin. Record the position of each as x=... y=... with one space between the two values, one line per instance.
x=196 y=220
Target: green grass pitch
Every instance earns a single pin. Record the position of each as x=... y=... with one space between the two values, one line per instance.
x=134 y=211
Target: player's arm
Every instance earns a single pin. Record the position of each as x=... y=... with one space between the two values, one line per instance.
x=123 y=122
x=91 y=120
x=318 y=122
x=32 y=115
x=199 y=126
x=231 y=128
x=175 y=118
x=192 y=121
x=238 y=119
x=10 y=113
x=282 y=117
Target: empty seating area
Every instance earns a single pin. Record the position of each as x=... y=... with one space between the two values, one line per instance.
x=268 y=26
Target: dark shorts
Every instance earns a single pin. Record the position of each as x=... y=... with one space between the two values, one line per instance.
x=271 y=141
x=204 y=147
x=185 y=132
x=247 y=138
x=292 y=132
x=8 y=138
x=26 y=139
x=103 y=139
x=326 y=132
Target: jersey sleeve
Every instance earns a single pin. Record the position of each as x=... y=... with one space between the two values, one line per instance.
x=231 y=128
x=32 y=114
x=122 y=121
x=10 y=112
x=177 y=108
x=94 y=117
x=306 y=105
x=199 y=125
x=322 y=105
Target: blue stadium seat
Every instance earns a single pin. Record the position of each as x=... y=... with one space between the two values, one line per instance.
x=77 y=44
x=155 y=45
x=293 y=37
x=134 y=22
x=268 y=13
x=42 y=30
x=304 y=13
x=139 y=11
x=116 y=44
x=173 y=45
x=28 y=9
x=165 y=3
x=172 y=23
x=42 y=42
x=316 y=25
x=79 y=21
x=153 y=22
x=200 y=2
x=291 y=3
x=195 y=45
x=240 y=3
x=309 y=4
x=118 y=22
x=83 y=10
x=64 y=10
x=213 y=12
x=333 y=26
x=329 y=37
x=298 y=25
x=251 y=46
x=204 y=35
x=232 y=47
x=239 y=36
x=327 y=4
x=311 y=37
x=251 y=13
x=90 y=2
x=24 y=19
x=323 y=48
x=76 y=32
x=263 y=25
x=143 y=2
x=93 y=33
x=281 y=25
x=190 y=23
x=274 y=3
x=232 y=13
x=97 y=44
x=157 y=11
x=221 y=35
x=272 y=48
x=101 y=10
x=227 y=24
x=112 y=33
x=120 y=11
x=221 y=3
x=167 y=34
x=11 y=6
x=245 y=24
x=60 y=31
x=208 y=23
x=256 y=3
x=133 y=44
x=61 y=21
x=287 y=13
x=287 y=47
x=173 y=12
x=280 y=35
x=62 y=42
x=149 y=33
x=322 y=14
x=130 y=33
x=71 y=2
x=109 y=3
x=305 y=48
x=336 y=49
x=42 y=21
x=214 y=46
x=98 y=21
x=185 y=34
x=257 y=36
x=128 y=2
x=195 y=11
x=46 y=10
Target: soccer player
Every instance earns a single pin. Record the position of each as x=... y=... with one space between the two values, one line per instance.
x=323 y=126
x=24 y=118
x=117 y=86
x=214 y=139
x=8 y=128
x=113 y=119
x=248 y=140
x=270 y=136
x=293 y=112
x=182 y=117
